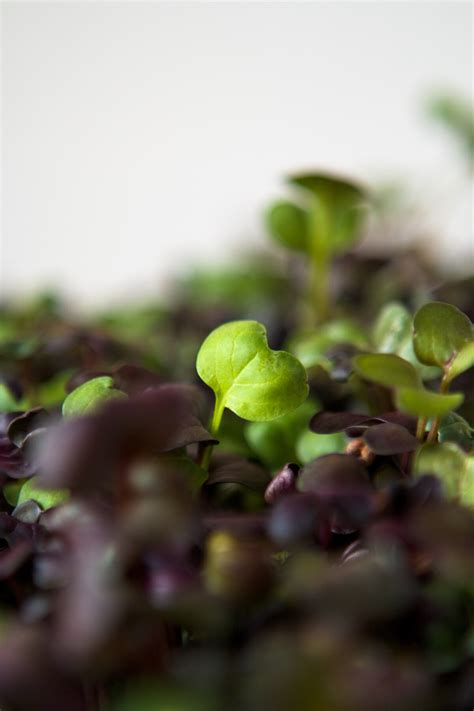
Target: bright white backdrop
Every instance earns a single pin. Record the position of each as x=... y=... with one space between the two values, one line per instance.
x=139 y=138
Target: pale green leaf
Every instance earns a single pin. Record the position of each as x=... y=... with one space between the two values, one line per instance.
x=90 y=396
x=247 y=377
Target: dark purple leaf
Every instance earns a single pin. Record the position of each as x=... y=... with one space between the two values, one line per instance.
x=232 y=469
x=12 y=460
x=294 y=519
x=88 y=452
x=133 y=379
x=14 y=558
x=388 y=438
x=24 y=424
x=282 y=483
x=342 y=486
x=334 y=473
x=31 y=677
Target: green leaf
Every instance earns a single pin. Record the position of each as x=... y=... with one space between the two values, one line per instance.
x=466 y=489
x=46 y=498
x=310 y=348
x=311 y=445
x=336 y=212
x=446 y=461
x=454 y=428
x=392 y=329
x=462 y=361
x=392 y=333
x=386 y=369
x=275 y=442
x=440 y=332
x=287 y=223
x=424 y=403
x=89 y=396
x=247 y=377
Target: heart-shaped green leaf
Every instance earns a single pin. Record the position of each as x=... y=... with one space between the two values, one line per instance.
x=91 y=395
x=386 y=369
x=440 y=332
x=247 y=377
x=288 y=225
x=424 y=403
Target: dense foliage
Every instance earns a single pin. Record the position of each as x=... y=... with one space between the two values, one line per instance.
x=196 y=518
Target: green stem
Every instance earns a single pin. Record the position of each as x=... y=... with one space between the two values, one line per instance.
x=444 y=387
x=216 y=420
x=420 y=428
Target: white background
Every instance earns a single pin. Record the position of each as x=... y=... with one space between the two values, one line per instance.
x=141 y=138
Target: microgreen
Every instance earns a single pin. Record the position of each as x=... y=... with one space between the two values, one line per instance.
x=424 y=403
x=91 y=395
x=247 y=377
x=326 y=223
x=441 y=331
x=386 y=369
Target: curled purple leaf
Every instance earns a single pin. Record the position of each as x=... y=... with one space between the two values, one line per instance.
x=282 y=483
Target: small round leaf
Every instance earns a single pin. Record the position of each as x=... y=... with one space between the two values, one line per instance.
x=287 y=223
x=386 y=369
x=89 y=396
x=440 y=332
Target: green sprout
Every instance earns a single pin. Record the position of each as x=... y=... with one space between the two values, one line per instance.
x=248 y=377
x=326 y=222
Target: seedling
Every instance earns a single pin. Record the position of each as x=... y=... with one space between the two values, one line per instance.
x=326 y=221
x=247 y=377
